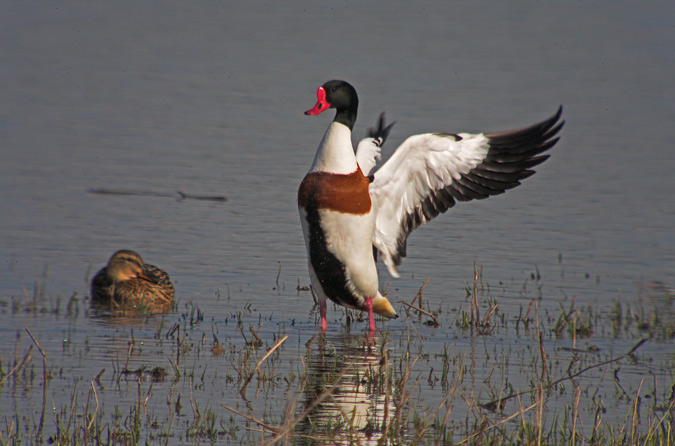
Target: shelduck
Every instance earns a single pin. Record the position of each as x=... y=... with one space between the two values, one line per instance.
x=348 y=213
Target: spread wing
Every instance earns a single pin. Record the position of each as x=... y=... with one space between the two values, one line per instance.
x=429 y=173
x=368 y=152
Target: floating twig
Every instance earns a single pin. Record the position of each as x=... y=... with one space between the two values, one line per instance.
x=422 y=311
x=178 y=195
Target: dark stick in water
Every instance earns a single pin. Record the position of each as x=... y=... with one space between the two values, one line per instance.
x=179 y=195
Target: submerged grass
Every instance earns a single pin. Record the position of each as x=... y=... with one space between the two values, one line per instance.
x=581 y=375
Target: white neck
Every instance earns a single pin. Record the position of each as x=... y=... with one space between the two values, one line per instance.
x=335 y=153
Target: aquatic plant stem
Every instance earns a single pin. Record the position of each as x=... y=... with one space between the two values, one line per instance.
x=418 y=297
x=475 y=312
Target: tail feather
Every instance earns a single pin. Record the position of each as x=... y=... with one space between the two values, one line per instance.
x=383 y=307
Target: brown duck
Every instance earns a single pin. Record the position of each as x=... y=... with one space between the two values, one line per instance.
x=129 y=283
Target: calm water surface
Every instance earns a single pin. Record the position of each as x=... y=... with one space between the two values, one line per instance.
x=207 y=98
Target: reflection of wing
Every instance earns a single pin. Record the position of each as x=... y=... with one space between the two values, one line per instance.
x=428 y=173
x=343 y=366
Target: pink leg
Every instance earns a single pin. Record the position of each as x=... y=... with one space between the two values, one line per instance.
x=371 y=319
x=322 y=312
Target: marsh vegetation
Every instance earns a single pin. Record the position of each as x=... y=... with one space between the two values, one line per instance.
x=466 y=374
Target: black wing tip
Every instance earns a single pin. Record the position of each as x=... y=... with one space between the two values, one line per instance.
x=510 y=159
x=537 y=137
x=553 y=124
x=382 y=130
x=550 y=122
x=542 y=126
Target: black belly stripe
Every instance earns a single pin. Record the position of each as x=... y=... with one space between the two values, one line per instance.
x=330 y=271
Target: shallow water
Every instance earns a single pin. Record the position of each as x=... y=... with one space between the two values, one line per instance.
x=207 y=99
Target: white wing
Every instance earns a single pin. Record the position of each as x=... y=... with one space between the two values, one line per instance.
x=369 y=150
x=368 y=153
x=428 y=173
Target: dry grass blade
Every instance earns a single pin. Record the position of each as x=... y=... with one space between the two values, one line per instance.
x=250 y=418
x=450 y=395
x=277 y=430
x=575 y=413
x=38 y=435
x=653 y=429
x=320 y=399
x=17 y=367
x=257 y=366
x=93 y=417
x=494 y=426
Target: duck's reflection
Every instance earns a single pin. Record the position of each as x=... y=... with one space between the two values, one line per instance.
x=347 y=397
x=116 y=316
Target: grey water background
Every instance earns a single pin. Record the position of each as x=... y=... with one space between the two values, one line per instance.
x=207 y=98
